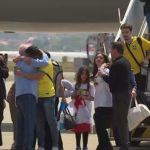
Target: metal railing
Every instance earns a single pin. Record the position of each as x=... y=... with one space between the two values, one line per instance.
x=134 y=16
x=143 y=28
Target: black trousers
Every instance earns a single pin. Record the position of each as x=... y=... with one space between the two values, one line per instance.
x=85 y=139
x=141 y=82
x=1 y=119
x=121 y=102
x=141 y=98
x=102 y=118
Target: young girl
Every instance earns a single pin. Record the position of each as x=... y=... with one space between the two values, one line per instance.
x=102 y=101
x=84 y=94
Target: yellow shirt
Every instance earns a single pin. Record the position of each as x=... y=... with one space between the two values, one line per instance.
x=45 y=86
x=137 y=52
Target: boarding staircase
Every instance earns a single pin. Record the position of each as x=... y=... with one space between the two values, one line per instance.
x=134 y=16
x=101 y=42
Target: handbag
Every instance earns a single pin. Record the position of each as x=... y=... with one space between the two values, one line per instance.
x=137 y=114
x=69 y=120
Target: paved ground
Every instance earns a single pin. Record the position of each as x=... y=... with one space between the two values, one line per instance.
x=69 y=142
x=68 y=139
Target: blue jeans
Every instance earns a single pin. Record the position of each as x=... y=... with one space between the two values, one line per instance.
x=46 y=112
x=26 y=120
x=148 y=24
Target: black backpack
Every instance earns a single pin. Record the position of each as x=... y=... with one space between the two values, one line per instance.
x=57 y=77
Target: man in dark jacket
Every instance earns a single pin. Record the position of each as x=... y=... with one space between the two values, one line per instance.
x=4 y=72
x=119 y=82
x=147 y=14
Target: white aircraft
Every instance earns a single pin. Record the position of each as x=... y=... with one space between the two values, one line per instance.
x=58 y=56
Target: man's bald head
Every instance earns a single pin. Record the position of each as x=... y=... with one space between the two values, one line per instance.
x=22 y=48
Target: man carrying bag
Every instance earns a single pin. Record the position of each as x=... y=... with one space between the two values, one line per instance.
x=135 y=49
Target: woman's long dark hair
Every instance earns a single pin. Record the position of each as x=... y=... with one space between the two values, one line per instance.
x=3 y=59
x=95 y=68
x=78 y=78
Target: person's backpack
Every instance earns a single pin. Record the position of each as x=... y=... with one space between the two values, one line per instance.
x=57 y=77
x=140 y=42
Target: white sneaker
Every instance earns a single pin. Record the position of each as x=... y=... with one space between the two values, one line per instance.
x=54 y=148
x=40 y=148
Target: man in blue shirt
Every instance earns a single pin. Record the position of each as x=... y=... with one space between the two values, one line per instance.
x=26 y=98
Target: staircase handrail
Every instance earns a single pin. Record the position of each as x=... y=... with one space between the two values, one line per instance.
x=125 y=19
x=143 y=27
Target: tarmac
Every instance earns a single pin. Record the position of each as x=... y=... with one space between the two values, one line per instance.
x=68 y=138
